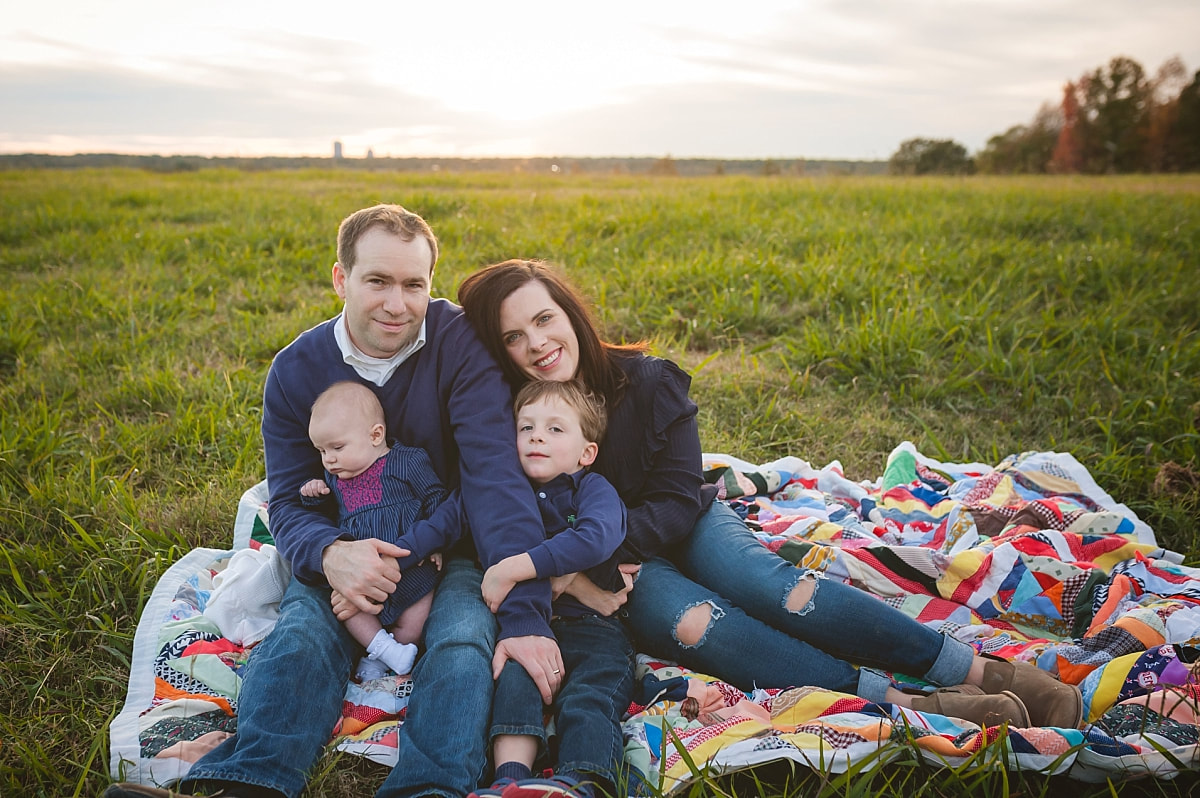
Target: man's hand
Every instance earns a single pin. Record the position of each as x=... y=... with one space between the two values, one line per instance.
x=604 y=601
x=364 y=572
x=540 y=658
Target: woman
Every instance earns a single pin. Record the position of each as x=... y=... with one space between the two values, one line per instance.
x=708 y=592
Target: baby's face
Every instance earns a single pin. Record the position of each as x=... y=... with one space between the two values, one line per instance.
x=345 y=442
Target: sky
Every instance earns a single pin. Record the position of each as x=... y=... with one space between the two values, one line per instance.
x=816 y=79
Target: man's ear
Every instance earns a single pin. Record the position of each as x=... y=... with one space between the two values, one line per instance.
x=339 y=280
x=589 y=454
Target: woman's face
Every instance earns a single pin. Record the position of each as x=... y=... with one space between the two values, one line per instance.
x=538 y=335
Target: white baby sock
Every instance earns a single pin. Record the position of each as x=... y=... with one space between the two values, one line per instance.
x=397 y=656
x=370 y=669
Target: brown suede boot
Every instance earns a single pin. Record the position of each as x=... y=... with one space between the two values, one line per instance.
x=968 y=702
x=1050 y=702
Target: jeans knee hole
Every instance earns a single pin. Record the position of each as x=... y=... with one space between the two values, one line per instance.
x=686 y=631
x=806 y=580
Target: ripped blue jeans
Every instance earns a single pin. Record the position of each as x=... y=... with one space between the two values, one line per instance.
x=753 y=639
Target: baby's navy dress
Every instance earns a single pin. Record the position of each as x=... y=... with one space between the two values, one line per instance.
x=383 y=502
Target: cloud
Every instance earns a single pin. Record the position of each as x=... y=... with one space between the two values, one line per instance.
x=235 y=103
x=723 y=121
x=826 y=79
x=835 y=78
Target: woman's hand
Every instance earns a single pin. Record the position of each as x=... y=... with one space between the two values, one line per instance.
x=560 y=584
x=604 y=601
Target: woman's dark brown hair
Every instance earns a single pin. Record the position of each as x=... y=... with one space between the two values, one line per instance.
x=482 y=293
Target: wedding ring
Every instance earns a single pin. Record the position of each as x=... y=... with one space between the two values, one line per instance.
x=556 y=671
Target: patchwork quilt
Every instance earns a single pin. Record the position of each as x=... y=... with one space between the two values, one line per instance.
x=1028 y=560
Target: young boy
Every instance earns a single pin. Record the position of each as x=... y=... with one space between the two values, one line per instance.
x=558 y=426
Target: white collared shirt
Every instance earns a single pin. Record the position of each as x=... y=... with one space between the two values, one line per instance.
x=373 y=369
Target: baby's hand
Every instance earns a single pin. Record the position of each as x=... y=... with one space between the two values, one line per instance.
x=342 y=607
x=436 y=559
x=314 y=488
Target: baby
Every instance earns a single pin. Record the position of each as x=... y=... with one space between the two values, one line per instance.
x=388 y=493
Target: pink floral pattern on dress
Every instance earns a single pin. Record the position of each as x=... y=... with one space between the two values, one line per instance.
x=366 y=489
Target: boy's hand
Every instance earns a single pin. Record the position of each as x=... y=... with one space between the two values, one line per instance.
x=436 y=559
x=497 y=582
x=314 y=488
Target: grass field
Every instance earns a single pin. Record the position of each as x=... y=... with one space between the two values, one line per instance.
x=828 y=319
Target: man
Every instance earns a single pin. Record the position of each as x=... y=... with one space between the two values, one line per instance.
x=442 y=392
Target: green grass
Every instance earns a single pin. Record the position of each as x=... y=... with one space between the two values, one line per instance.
x=829 y=319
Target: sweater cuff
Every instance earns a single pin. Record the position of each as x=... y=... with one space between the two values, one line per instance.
x=524 y=627
x=526 y=611
x=543 y=563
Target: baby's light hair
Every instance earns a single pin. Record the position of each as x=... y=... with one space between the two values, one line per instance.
x=593 y=417
x=348 y=394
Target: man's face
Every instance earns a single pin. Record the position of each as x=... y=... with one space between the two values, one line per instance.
x=386 y=292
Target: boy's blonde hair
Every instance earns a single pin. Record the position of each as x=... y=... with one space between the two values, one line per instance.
x=593 y=418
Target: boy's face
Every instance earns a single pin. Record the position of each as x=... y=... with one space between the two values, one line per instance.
x=348 y=443
x=550 y=441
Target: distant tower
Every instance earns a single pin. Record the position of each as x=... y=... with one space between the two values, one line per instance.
x=370 y=153
x=337 y=150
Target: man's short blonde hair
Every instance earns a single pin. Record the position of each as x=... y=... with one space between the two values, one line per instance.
x=392 y=218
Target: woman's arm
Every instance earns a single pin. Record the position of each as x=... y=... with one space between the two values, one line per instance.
x=667 y=507
x=654 y=433
x=652 y=455
x=605 y=602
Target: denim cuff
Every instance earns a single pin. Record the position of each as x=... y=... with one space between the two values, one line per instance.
x=953 y=663
x=522 y=729
x=873 y=685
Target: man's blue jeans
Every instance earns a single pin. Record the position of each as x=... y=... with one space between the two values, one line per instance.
x=295 y=680
x=754 y=640
x=442 y=746
x=596 y=690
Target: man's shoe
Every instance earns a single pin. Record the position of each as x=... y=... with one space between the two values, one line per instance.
x=968 y=702
x=1050 y=702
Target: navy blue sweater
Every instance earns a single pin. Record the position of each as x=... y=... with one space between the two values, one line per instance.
x=449 y=399
x=651 y=455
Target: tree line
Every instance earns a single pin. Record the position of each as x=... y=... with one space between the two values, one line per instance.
x=1111 y=120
